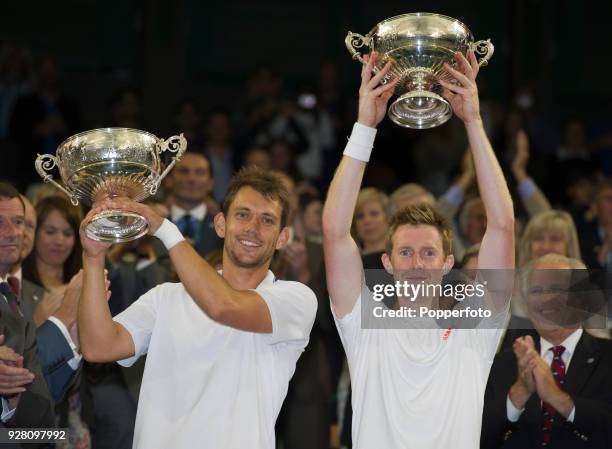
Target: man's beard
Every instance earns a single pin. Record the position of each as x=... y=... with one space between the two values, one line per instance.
x=256 y=263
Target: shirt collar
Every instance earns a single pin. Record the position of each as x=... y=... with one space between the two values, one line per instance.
x=267 y=281
x=18 y=274
x=198 y=212
x=569 y=343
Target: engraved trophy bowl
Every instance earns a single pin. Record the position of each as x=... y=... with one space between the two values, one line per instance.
x=108 y=163
x=418 y=45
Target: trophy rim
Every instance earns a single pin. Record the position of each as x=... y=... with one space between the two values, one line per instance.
x=141 y=228
x=108 y=129
x=420 y=14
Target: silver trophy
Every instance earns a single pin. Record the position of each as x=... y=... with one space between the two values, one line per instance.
x=418 y=45
x=108 y=163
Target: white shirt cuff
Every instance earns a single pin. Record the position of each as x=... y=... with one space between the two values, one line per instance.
x=76 y=359
x=512 y=412
x=6 y=412
x=570 y=418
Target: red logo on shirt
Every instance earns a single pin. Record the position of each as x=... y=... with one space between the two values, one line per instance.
x=447 y=333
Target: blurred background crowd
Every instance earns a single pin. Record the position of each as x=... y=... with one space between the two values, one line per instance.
x=552 y=133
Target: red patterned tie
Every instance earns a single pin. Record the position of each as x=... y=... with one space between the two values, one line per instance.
x=15 y=284
x=549 y=413
x=11 y=298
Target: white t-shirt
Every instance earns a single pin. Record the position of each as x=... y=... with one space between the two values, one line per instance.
x=417 y=388
x=207 y=385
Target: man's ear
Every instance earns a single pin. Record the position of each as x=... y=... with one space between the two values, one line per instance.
x=448 y=264
x=283 y=238
x=387 y=263
x=219 y=221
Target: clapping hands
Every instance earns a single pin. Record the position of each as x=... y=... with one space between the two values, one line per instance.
x=13 y=376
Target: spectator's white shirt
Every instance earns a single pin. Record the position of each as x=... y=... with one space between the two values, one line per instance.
x=208 y=385
x=198 y=212
x=417 y=388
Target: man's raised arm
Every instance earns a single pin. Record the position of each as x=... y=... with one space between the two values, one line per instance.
x=497 y=247
x=101 y=339
x=242 y=309
x=342 y=258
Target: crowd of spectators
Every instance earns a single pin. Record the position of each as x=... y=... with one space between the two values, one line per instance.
x=557 y=168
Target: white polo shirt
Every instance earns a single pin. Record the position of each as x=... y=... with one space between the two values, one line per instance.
x=207 y=385
x=418 y=388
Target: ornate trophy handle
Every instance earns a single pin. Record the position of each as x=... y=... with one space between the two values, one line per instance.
x=354 y=41
x=47 y=162
x=174 y=144
x=485 y=48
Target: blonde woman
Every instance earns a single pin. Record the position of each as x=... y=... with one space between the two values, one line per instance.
x=370 y=225
x=550 y=232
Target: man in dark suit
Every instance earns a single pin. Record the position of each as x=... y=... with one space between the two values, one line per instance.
x=24 y=394
x=57 y=353
x=555 y=390
x=192 y=183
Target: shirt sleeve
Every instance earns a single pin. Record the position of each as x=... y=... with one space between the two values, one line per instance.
x=570 y=418
x=76 y=359
x=6 y=412
x=292 y=307
x=513 y=413
x=350 y=325
x=139 y=320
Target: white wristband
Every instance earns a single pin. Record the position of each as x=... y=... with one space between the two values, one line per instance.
x=169 y=234
x=360 y=143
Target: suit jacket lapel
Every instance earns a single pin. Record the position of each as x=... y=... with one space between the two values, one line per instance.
x=30 y=295
x=31 y=291
x=584 y=361
x=206 y=226
x=206 y=235
x=12 y=327
x=4 y=307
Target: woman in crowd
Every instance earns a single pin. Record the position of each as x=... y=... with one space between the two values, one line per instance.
x=370 y=224
x=549 y=232
x=310 y=212
x=56 y=258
